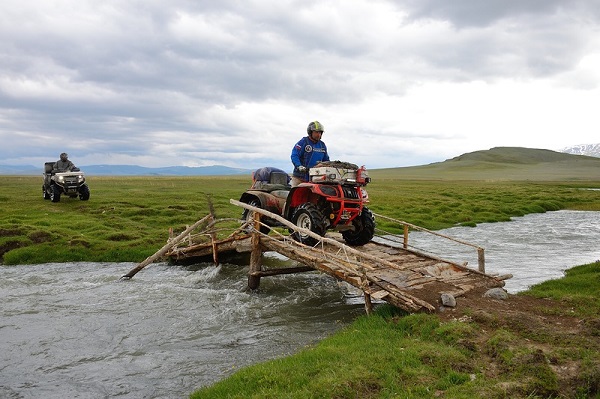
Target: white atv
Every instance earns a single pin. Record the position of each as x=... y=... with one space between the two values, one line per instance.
x=68 y=183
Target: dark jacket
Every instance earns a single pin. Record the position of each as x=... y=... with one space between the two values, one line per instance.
x=63 y=166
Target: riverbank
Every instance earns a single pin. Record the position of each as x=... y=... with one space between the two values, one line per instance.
x=541 y=343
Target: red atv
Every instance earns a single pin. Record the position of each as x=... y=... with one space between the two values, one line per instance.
x=334 y=199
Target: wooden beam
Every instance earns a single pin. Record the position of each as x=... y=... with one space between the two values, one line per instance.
x=164 y=249
x=255 y=256
x=282 y=270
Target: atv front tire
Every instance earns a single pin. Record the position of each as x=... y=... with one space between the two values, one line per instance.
x=55 y=193
x=364 y=229
x=308 y=216
x=84 y=193
x=45 y=194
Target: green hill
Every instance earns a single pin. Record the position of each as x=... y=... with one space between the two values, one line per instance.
x=503 y=163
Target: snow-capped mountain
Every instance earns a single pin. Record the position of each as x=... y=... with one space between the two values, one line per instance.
x=591 y=150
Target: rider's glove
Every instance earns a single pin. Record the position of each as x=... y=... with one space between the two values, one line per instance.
x=302 y=169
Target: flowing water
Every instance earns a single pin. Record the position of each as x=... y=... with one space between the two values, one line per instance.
x=74 y=330
x=533 y=248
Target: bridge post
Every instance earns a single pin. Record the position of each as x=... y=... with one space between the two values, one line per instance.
x=255 y=255
x=364 y=283
x=368 y=304
x=481 y=260
x=405 y=236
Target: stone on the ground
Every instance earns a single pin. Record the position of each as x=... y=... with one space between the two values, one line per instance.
x=448 y=300
x=496 y=293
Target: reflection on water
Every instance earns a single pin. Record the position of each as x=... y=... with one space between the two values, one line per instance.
x=75 y=330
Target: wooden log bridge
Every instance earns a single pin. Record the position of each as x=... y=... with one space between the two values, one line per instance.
x=386 y=268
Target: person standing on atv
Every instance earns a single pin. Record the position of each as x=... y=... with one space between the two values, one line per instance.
x=308 y=152
x=63 y=164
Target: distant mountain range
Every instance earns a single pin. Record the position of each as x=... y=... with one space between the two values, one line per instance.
x=499 y=154
x=133 y=170
x=591 y=150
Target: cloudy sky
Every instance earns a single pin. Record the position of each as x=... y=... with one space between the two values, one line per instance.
x=235 y=83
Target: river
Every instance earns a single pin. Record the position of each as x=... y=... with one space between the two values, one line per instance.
x=76 y=330
x=533 y=248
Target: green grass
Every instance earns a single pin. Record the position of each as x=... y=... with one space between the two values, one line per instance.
x=579 y=285
x=377 y=355
x=128 y=218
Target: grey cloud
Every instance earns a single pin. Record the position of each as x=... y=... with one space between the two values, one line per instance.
x=474 y=13
x=498 y=38
x=119 y=75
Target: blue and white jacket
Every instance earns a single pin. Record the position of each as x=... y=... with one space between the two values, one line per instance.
x=308 y=153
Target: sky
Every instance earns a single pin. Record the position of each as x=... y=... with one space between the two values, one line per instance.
x=235 y=83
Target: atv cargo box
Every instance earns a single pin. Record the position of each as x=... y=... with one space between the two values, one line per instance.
x=339 y=175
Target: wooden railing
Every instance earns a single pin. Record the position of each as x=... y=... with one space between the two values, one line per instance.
x=405 y=238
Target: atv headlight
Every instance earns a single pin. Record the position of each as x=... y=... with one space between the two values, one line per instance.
x=61 y=179
x=80 y=179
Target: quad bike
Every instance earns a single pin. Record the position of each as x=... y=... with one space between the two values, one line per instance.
x=70 y=183
x=333 y=199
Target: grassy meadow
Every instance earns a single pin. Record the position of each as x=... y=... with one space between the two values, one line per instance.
x=128 y=218
x=125 y=219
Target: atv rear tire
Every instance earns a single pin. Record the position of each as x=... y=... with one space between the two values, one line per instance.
x=247 y=215
x=364 y=229
x=309 y=217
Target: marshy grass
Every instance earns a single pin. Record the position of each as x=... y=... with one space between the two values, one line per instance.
x=128 y=218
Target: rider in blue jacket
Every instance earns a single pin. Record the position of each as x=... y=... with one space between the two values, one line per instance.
x=308 y=152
